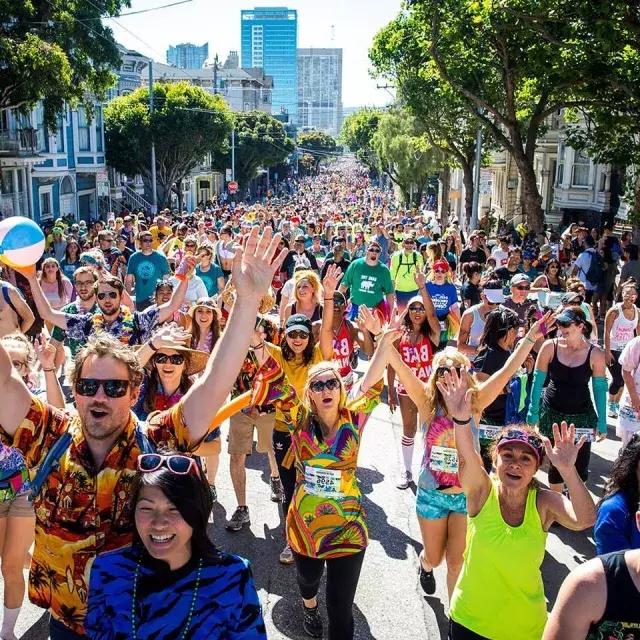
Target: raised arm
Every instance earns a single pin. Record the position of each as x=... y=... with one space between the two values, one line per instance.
x=432 y=318
x=166 y=311
x=14 y=412
x=25 y=315
x=329 y=284
x=58 y=318
x=46 y=352
x=254 y=266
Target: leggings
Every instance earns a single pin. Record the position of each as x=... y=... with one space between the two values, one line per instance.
x=342 y=581
x=615 y=369
x=458 y=632
x=281 y=445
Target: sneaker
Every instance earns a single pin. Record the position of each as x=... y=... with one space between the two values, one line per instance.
x=405 y=480
x=427 y=581
x=214 y=492
x=239 y=518
x=613 y=409
x=276 y=489
x=286 y=555
x=312 y=622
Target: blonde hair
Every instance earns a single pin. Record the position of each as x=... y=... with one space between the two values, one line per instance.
x=323 y=367
x=314 y=281
x=448 y=277
x=20 y=342
x=434 y=252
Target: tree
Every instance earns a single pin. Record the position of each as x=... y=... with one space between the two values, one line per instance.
x=404 y=154
x=187 y=124
x=357 y=132
x=261 y=141
x=317 y=144
x=513 y=63
x=56 y=51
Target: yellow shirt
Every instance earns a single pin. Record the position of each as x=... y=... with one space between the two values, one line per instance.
x=155 y=230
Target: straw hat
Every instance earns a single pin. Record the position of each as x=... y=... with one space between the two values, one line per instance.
x=195 y=360
x=209 y=303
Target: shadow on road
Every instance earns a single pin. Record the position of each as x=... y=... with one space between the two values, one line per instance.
x=39 y=630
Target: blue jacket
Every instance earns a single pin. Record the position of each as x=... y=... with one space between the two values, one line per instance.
x=615 y=528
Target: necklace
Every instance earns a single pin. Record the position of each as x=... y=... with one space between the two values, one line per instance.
x=135 y=594
x=257 y=346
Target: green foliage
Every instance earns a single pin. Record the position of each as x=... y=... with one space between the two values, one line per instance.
x=404 y=153
x=318 y=145
x=357 y=132
x=187 y=124
x=261 y=141
x=56 y=51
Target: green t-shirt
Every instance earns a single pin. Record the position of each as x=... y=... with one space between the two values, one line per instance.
x=368 y=284
x=147 y=270
x=210 y=278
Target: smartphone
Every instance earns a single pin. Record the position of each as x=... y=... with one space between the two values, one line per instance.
x=543 y=327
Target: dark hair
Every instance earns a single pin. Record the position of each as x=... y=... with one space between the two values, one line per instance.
x=581 y=317
x=424 y=328
x=191 y=496
x=111 y=281
x=470 y=268
x=307 y=354
x=589 y=241
x=71 y=241
x=497 y=325
x=153 y=384
x=214 y=330
x=623 y=477
x=632 y=250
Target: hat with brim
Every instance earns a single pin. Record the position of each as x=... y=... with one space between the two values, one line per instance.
x=204 y=302
x=545 y=250
x=495 y=296
x=569 y=315
x=298 y=322
x=195 y=360
x=520 y=277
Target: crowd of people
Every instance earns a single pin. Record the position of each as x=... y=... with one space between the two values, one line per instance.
x=138 y=345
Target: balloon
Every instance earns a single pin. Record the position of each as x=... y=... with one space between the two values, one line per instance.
x=21 y=242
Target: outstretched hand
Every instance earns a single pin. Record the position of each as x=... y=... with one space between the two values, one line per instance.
x=367 y=320
x=331 y=279
x=392 y=331
x=169 y=335
x=45 y=351
x=455 y=391
x=564 y=452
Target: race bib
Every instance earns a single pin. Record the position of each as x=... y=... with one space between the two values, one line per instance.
x=326 y=483
x=585 y=431
x=488 y=432
x=629 y=414
x=444 y=459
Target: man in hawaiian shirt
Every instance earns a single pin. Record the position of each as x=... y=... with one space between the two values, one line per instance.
x=85 y=505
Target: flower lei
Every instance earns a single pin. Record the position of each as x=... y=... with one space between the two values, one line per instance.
x=125 y=322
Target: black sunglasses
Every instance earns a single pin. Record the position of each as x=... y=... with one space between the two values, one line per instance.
x=111 y=294
x=318 y=386
x=174 y=358
x=416 y=308
x=112 y=388
x=297 y=335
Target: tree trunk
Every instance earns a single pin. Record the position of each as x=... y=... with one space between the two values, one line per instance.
x=529 y=195
x=180 y=195
x=443 y=196
x=467 y=180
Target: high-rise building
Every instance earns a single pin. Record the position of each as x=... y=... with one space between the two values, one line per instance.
x=270 y=40
x=320 y=89
x=187 y=55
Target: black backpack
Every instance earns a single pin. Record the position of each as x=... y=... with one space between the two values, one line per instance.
x=595 y=272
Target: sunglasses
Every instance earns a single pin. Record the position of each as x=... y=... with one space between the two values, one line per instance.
x=145 y=239
x=177 y=464
x=19 y=364
x=374 y=251
x=297 y=335
x=440 y=371
x=110 y=294
x=318 y=386
x=112 y=388
x=564 y=323
x=174 y=358
x=416 y=308
x=440 y=271
x=523 y=287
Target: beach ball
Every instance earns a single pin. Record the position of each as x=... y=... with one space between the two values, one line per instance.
x=21 y=242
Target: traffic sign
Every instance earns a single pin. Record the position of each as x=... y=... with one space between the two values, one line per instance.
x=232 y=187
x=228 y=175
x=102 y=183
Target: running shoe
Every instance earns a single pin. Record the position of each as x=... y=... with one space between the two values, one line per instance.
x=312 y=622
x=613 y=409
x=276 y=489
x=404 y=480
x=286 y=555
x=214 y=492
x=239 y=518
x=427 y=581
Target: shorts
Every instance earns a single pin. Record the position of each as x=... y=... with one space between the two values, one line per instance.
x=432 y=504
x=382 y=310
x=241 y=433
x=19 y=507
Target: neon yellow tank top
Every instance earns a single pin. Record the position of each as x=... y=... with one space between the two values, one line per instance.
x=499 y=593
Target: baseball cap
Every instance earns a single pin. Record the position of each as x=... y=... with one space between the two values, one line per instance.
x=298 y=322
x=495 y=296
x=570 y=315
x=519 y=436
x=518 y=278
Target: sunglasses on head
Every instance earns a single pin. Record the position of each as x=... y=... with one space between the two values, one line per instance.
x=178 y=464
x=110 y=294
x=112 y=388
x=318 y=386
x=297 y=335
x=174 y=358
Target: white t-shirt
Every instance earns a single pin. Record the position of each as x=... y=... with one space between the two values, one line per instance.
x=629 y=361
x=195 y=289
x=501 y=257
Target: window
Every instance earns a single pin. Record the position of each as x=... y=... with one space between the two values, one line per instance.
x=580 y=172
x=42 y=138
x=84 y=139
x=99 y=146
x=60 y=134
x=45 y=203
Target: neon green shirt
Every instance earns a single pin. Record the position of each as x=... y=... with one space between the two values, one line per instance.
x=403 y=269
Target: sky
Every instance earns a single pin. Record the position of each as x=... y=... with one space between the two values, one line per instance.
x=355 y=24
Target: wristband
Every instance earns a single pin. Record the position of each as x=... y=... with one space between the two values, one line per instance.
x=327 y=299
x=46 y=370
x=528 y=339
x=154 y=349
x=461 y=422
x=180 y=276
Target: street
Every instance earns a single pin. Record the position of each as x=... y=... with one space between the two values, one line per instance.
x=389 y=602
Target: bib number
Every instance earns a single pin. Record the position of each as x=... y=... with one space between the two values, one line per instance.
x=326 y=483
x=585 y=431
x=444 y=459
x=488 y=432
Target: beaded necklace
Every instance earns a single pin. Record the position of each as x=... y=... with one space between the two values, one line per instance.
x=134 y=599
x=123 y=325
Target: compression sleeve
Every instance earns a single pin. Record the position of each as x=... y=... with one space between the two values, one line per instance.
x=599 y=384
x=533 y=414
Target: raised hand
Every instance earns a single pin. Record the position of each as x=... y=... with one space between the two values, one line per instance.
x=455 y=391
x=255 y=263
x=368 y=320
x=331 y=279
x=546 y=322
x=45 y=351
x=168 y=335
x=420 y=278
x=564 y=452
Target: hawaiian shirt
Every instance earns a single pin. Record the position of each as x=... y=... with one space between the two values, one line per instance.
x=82 y=511
x=130 y=327
x=60 y=335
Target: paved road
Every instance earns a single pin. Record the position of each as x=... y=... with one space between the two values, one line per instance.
x=389 y=602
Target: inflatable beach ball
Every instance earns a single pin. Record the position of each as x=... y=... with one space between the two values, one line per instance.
x=21 y=242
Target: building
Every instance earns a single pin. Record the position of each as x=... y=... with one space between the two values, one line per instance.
x=132 y=66
x=269 y=38
x=320 y=90
x=187 y=55
x=46 y=173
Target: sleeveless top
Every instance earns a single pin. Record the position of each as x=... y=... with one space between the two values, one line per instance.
x=568 y=388
x=553 y=287
x=622 y=330
x=477 y=327
x=621 y=618
x=495 y=593
x=317 y=312
x=417 y=357
x=343 y=348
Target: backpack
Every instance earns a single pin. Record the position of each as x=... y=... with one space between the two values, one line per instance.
x=52 y=459
x=595 y=273
x=414 y=255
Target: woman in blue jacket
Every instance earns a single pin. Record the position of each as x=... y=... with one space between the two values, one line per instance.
x=615 y=527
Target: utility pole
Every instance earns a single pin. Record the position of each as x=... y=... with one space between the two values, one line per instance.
x=154 y=189
x=233 y=154
x=476 y=181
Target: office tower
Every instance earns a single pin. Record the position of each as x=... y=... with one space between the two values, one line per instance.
x=270 y=40
x=187 y=55
x=320 y=89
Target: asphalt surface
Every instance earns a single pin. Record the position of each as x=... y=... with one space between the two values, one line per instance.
x=389 y=602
